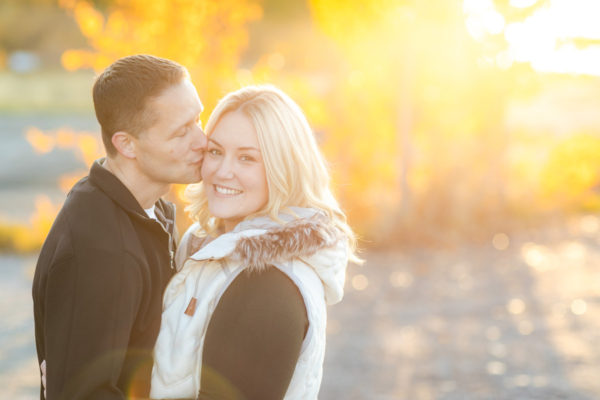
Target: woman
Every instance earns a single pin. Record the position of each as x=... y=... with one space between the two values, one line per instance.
x=245 y=315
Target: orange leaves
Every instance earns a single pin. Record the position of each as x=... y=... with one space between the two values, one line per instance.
x=85 y=145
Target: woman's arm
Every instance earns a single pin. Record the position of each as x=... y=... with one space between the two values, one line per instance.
x=254 y=338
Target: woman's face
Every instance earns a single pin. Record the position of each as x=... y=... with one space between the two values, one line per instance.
x=233 y=171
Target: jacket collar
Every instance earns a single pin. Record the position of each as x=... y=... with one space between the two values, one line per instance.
x=114 y=188
x=118 y=192
x=306 y=235
x=260 y=241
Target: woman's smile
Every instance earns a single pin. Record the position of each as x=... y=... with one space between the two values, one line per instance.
x=227 y=191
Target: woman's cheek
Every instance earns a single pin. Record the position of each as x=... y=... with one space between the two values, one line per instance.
x=207 y=167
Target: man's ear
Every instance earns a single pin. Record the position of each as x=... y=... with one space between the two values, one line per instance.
x=124 y=143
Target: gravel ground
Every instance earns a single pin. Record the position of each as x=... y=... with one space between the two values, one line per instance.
x=516 y=319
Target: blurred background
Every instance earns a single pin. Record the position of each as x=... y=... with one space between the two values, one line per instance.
x=463 y=138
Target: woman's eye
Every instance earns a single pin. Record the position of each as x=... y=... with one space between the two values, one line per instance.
x=214 y=152
x=247 y=158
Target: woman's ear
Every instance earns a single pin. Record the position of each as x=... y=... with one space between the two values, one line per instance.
x=124 y=143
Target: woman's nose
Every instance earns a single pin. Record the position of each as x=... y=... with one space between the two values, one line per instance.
x=225 y=169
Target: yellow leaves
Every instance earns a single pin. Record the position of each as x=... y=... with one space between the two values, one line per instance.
x=572 y=173
x=90 y=21
x=29 y=237
x=41 y=142
x=43 y=217
x=67 y=181
x=190 y=32
x=86 y=145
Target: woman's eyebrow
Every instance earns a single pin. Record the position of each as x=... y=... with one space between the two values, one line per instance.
x=249 y=148
x=215 y=142
x=243 y=148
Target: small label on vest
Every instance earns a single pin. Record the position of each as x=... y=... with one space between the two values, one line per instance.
x=191 y=308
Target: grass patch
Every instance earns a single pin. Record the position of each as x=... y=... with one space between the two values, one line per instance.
x=47 y=92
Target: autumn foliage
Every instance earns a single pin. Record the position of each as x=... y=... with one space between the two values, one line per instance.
x=408 y=100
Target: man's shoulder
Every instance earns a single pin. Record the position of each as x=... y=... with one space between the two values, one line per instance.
x=87 y=207
x=90 y=219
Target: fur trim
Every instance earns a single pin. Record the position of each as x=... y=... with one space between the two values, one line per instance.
x=298 y=238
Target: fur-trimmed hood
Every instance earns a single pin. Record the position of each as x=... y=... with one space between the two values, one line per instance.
x=308 y=236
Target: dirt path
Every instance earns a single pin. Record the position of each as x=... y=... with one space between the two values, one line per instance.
x=470 y=323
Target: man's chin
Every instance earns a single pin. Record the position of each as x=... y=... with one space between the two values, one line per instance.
x=192 y=178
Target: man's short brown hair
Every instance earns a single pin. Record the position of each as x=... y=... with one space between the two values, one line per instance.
x=123 y=90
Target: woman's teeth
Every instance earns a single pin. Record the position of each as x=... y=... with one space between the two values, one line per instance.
x=225 y=190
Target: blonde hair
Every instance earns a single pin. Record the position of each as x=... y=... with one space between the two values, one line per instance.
x=295 y=168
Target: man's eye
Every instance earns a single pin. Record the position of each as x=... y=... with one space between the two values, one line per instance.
x=214 y=152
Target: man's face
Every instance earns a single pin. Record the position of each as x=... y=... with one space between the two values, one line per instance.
x=172 y=149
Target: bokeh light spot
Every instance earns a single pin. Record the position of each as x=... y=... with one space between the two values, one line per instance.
x=525 y=327
x=516 y=306
x=401 y=279
x=360 y=282
x=495 y=368
x=500 y=241
x=578 y=306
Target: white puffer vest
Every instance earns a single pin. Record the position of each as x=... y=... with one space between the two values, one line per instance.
x=311 y=252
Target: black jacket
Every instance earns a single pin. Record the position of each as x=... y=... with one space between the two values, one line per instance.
x=97 y=291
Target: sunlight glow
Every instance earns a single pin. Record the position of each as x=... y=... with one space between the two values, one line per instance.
x=482 y=19
x=545 y=39
x=522 y=3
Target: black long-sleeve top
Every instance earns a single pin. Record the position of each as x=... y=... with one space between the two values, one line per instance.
x=254 y=338
x=97 y=291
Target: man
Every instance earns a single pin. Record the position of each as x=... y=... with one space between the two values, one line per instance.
x=100 y=277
